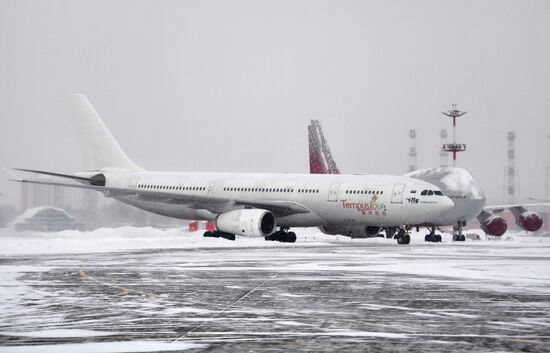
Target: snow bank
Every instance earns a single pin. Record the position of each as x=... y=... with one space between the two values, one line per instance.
x=134 y=238
x=131 y=238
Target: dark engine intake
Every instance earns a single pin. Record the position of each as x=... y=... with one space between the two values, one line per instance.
x=372 y=231
x=494 y=225
x=529 y=221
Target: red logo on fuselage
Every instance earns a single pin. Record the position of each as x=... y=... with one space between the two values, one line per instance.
x=370 y=208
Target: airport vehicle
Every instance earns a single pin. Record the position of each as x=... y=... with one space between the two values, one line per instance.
x=263 y=205
x=456 y=183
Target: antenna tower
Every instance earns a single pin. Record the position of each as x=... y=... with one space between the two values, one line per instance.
x=412 y=151
x=443 y=155
x=511 y=169
x=454 y=147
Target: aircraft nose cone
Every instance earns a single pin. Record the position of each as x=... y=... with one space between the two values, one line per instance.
x=446 y=204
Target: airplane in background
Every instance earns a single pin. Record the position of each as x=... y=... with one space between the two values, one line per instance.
x=253 y=205
x=456 y=183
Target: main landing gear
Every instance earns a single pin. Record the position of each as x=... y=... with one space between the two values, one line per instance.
x=436 y=238
x=459 y=236
x=402 y=236
x=282 y=235
x=218 y=234
x=390 y=232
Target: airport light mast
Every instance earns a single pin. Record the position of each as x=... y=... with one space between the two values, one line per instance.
x=454 y=147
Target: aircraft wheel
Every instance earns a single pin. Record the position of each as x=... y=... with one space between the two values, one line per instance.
x=272 y=237
x=403 y=239
x=429 y=237
x=208 y=234
x=438 y=238
x=223 y=235
x=291 y=237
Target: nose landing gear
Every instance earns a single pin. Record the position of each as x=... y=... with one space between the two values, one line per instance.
x=402 y=236
x=459 y=236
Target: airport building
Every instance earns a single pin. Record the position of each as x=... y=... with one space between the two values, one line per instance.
x=35 y=195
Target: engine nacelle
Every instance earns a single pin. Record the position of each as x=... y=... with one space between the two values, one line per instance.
x=372 y=231
x=328 y=230
x=494 y=225
x=529 y=221
x=247 y=222
x=352 y=231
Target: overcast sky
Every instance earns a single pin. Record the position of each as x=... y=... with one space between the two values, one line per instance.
x=231 y=85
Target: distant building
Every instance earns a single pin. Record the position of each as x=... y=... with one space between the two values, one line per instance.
x=91 y=207
x=45 y=219
x=35 y=195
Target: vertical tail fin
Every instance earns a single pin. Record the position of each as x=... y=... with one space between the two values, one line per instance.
x=99 y=147
x=316 y=161
x=320 y=158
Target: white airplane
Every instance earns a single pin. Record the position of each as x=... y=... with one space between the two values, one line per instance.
x=456 y=183
x=253 y=205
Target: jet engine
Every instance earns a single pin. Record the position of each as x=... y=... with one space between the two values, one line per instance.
x=494 y=225
x=328 y=230
x=352 y=231
x=372 y=231
x=247 y=222
x=529 y=221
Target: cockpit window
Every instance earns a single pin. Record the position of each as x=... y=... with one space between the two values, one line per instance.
x=424 y=192
x=439 y=193
x=430 y=192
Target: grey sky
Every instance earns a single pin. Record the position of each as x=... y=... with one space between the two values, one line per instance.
x=231 y=85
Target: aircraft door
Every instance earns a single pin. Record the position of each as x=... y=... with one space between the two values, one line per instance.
x=133 y=183
x=333 y=192
x=211 y=189
x=397 y=194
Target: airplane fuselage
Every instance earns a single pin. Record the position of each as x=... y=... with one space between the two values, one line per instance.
x=331 y=199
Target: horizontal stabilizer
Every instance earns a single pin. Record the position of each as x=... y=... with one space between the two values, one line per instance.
x=97 y=180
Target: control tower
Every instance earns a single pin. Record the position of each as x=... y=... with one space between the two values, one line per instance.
x=454 y=147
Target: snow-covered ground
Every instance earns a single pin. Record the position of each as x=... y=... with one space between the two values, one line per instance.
x=132 y=238
x=143 y=289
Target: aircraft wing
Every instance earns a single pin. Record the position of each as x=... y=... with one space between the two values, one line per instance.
x=540 y=207
x=280 y=208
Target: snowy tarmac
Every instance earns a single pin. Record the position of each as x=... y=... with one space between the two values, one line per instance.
x=141 y=289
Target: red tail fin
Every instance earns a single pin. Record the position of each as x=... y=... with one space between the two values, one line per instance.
x=316 y=163
x=320 y=158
